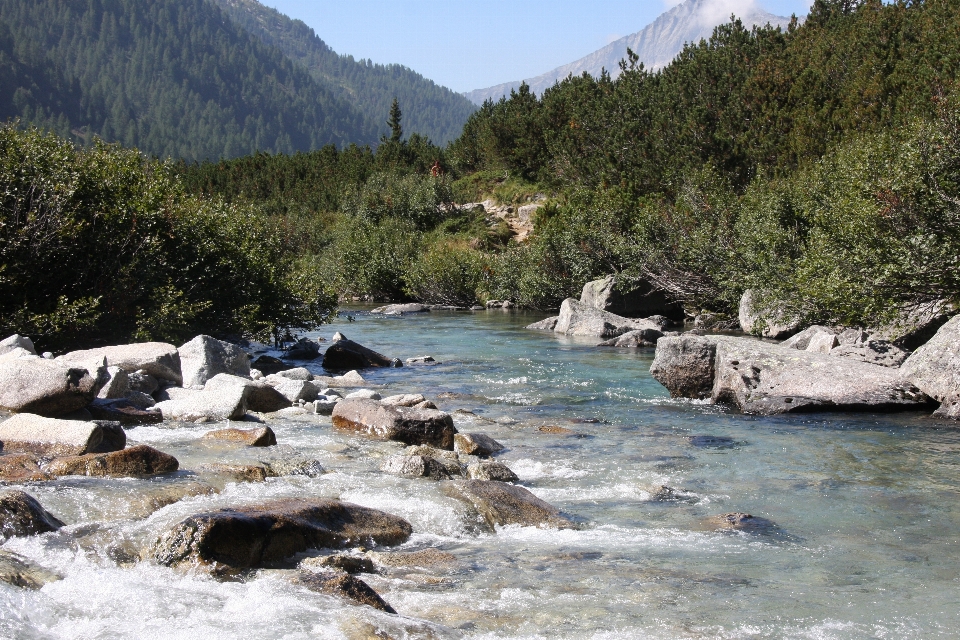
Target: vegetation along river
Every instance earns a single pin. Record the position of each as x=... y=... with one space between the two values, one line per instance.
x=865 y=506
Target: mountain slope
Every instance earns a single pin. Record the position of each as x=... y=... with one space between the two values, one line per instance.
x=657 y=44
x=428 y=109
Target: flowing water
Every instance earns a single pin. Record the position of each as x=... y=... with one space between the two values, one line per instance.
x=866 y=543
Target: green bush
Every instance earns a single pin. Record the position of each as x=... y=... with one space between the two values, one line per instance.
x=421 y=200
x=446 y=273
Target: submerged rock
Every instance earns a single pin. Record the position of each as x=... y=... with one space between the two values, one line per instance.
x=44 y=387
x=489 y=470
x=17 y=571
x=262 y=437
x=159 y=359
x=685 y=365
x=476 y=444
x=422 y=360
x=503 y=504
x=22 y=515
x=634 y=339
x=343 y=562
x=236 y=472
x=403 y=424
x=303 y=349
x=229 y=540
x=343 y=585
x=345 y=354
x=136 y=462
x=742 y=522
x=415 y=467
x=28 y=433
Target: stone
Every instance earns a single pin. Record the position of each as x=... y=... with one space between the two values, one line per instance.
x=18 y=468
x=237 y=472
x=769 y=323
x=852 y=337
x=915 y=326
x=426 y=404
x=294 y=466
x=879 y=352
x=262 y=437
x=402 y=424
x=324 y=405
x=22 y=515
x=343 y=562
x=344 y=354
x=256 y=374
x=159 y=359
x=204 y=357
x=547 y=324
x=15 y=354
x=802 y=340
x=449 y=459
x=258 y=396
x=421 y=360
x=229 y=540
x=685 y=365
x=29 y=433
x=297 y=373
x=950 y=407
x=502 y=504
x=17 y=571
x=767 y=379
x=404 y=400
x=741 y=522
x=123 y=411
x=935 y=366
x=303 y=349
x=578 y=319
x=16 y=341
x=293 y=390
x=175 y=393
x=401 y=309
x=136 y=462
x=415 y=467
x=476 y=444
x=424 y=558
x=368 y=394
x=116 y=386
x=489 y=470
x=140 y=399
x=822 y=343
x=637 y=300
x=634 y=339
x=268 y=364
x=344 y=585
x=143 y=382
x=44 y=387
x=210 y=405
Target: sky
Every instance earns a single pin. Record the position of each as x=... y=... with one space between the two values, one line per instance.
x=467 y=45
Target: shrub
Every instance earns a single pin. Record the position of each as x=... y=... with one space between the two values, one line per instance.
x=446 y=273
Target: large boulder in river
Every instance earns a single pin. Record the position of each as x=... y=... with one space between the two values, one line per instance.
x=401 y=309
x=22 y=515
x=577 y=319
x=29 y=433
x=44 y=387
x=258 y=395
x=402 y=424
x=227 y=403
x=230 y=540
x=343 y=585
x=415 y=467
x=502 y=504
x=640 y=301
x=763 y=378
x=684 y=365
x=204 y=357
x=136 y=462
x=769 y=322
x=159 y=359
x=935 y=367
x=345 y=354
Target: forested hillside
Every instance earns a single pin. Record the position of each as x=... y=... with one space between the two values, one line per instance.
x=431 y=110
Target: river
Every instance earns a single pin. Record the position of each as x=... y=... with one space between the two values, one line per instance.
x=866 y=508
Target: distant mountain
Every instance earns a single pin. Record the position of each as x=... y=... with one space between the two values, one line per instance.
x=429 y=109
x=657 y=44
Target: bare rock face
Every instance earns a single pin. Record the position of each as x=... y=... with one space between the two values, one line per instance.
x=44 y=387
x=226 y=403
x=22 y=515
x=935 y=367
x=159 y=359
x=136 y=462
x=343 y=585
x=767 y=379
x=489 y=470
x=29 y=433
x=262 y=437
x=402 y=424
x=204 y=357
x=685 y=365
x=577 y=319
x=17 y=571
x=639 y=302
x=769 y=323
x=476 y=444
x=344 y=354
x=231 y=540
x=258 y=396
x=503 y=504
x=415 y=467
x=879 y=352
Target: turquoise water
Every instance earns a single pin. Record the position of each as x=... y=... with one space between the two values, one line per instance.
x=866 y=543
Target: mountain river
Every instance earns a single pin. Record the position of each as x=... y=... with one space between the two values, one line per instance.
x=866 y=543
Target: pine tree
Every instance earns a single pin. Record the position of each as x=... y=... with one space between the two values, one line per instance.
x=396 y=130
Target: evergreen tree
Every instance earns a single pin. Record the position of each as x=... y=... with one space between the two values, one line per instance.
x=396 y=129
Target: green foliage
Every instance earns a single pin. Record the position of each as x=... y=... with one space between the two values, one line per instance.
x=369 y=259
x=420 y=200
x=447 y=272
x=102 y=245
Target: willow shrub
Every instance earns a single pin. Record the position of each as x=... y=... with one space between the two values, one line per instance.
x=447 y=272
x=102 y=245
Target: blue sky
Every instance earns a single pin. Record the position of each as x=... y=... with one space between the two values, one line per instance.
x=471 y=45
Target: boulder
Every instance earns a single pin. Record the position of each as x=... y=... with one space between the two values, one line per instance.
x=764 y=378
x=578 y=319
x=879 y=352
x=348 y=380
x=16 y=341
x=268 y=364
x=502 y=504
x=159 y=359
x=685 y=365
x=476 y=444
x=449 y=459
x=230 y=540
x=297 y=373
x=237 y=472
x=343 y=585
x=403 y=424
x=342 y=562
x=258 y=396
x=18 y=468
x=422 y=360
x=490 y=470
x=547 y=324
x=15 y=354
x=802 y=340
x=204 y=357
x=367 y=394
x=741 y=522
x=136 y=462
x=915 y=326
x=117 y=384
x=415 y=467
x=29 y=433
x=210 y=405
x=769 y=323
x=637 y=300
x=142 y=382
x=262 y=437
x=401 y=309
x=634 y=339
x=44 y=387
x=345 y=354
x=822 y=343
x=935 y=366
x=17 y=571
x=295 y=465
x=22 y=515
x=303 y=349
x=293 y=390
x=404 y=400
x=124 y=411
